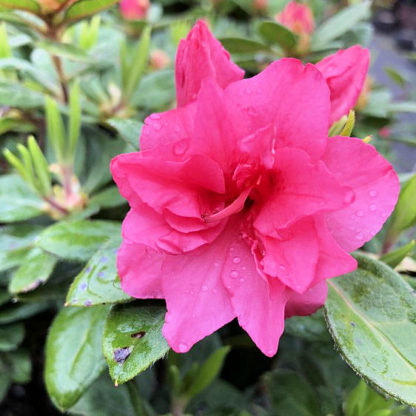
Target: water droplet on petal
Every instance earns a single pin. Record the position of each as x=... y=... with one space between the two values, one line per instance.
x=236 y=260
x=234 y=273
x=157 y=126
x=282 y=268
x=359 y=236
x=244 y=268
x=242 y=280
x=373 y=193
x=349 y=197
x=248 y=91
x=204 y=288
x=180 y=147
x=155 y=116
x=372 y=207
x=183 y=347
x=360 y=213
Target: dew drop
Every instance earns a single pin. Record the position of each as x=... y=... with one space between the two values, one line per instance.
x=183 y=347
x=155 y=116
x=177 y=129
x=373 y=193
x=360 y=213
x=157 y=126
x=180 y=147
x=282 y=268
x=214 y=291
x=242 y=280
x=204 y=288
x=244 y=268
x=248 y=91
x=236 y=260
x=349 y=197
x=234 y=273
x=359 y=236
x=372 y=207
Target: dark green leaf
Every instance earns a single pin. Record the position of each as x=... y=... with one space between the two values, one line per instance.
x=133 y=340
x=371 y=314
x=243 y=45
x=73 y=353
x=11 y=336
x=21 y=311
x=310 y=328
x=394 y=258
x=275 y=33
x=98 y=283
x=129 y=130
x=84 y=8
x=17 y=201
x=20 y=366
x=34 y=271
x=77 y=240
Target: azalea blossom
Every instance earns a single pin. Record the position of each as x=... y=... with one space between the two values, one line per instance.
x=134 y=9
x=240 y=205
x=297 y=17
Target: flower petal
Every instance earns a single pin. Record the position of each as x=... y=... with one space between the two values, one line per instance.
x=197 y=301
x=292 y=97
x=200 y=56
x=139 y=268
x=306 y=303
x=345 y=73
x=258 y=303
x=375 y=184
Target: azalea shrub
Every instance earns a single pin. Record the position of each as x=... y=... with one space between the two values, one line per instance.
x=202 y=211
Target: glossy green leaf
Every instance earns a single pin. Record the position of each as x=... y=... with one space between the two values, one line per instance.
x=275 y=33
x=73 y=353
x=311 y=328
x=243 y=45
x=27 y=5
x=403 y=107
x=17 y=200
x=15 y=242
x=394 y=257
x=133 y=340
x=84 y=8
x=290 y=394
x=371 y=314
x=65 y=50
x=34 y=271
x=77 y=240
x=129 y=130
x=16 y=95
x=207 y=372
x=11 y=336
x=109 y=198
x=404 y=215
x=21 y=311
x=340 y=23
x=19 y=366
x=98 y=283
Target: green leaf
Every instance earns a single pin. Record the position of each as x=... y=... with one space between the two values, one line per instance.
x=16 y=95
x=133 y=340
x=17 y=201
x=15 y=242
x=403 y=107
x=128 y=129
x=396 y=76
x=73 y=353
x=5 y=383
x=98 y=283
x=311 y=328
x=77 y=240
x=19 y=366
x=378 y=104
x=243 y=45
x=290 y=394
x=275 y=33
x=84 y=8
x=109 y=198
x=395 y=257
x=404 y=215
x=55 y=128
x=371 y=314
x=74 y=119
x=65 y=50
x=208 y=372
x=340 y=24
x=41 y=166
x=34 y=271
x=11 y=336
x=21 y=311
x=27 y=5
x=349 y=124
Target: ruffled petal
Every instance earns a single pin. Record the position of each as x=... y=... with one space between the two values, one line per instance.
x=200 y=56
x=197 y=301
x=375 y=184
x=306 y=303
x=345 y=73
x=293 y=98
x=139 y=268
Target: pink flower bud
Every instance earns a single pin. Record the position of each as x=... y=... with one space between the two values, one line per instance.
x=159 y=59
x=297 y=17
x=134 y=9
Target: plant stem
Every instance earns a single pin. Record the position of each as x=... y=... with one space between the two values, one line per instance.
x=178 y=406
x=135 y=399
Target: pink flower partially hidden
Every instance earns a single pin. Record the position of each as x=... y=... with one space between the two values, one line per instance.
x=241 y=206
x=297 y=17
x=134 y=9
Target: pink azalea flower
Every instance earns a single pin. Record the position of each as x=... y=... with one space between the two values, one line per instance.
x=297 y=17
x=134 y=9
x=241 y=207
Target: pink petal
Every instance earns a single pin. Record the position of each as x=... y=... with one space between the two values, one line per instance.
x=306 y=303
x=139 y=268
x=293 y=98
x=301 y=188
x=258 y=303
x=375 y=184
x=200 y=56
x=293 y=258
x=345 y=73
x=197 y=302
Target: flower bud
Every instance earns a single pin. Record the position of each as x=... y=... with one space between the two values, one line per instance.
x=134 y=9
x=159 y=59
x=297 y=17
